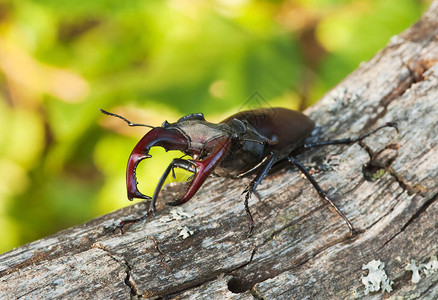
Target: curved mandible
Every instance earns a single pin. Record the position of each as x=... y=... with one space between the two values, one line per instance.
x=204 y=168
x=166 y=138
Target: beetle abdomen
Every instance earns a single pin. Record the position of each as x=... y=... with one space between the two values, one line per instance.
x=287 y=127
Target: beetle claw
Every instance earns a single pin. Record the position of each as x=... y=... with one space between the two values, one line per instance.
x=174 y=203
x=124 y=223
x=393 y=125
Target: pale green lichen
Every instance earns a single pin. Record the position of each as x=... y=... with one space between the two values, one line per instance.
x=185 y=232
x=428 y=268
x=431 y=267
x=415 y=271
x=376 y=278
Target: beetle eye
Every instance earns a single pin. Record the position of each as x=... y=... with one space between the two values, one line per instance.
x=239 y=126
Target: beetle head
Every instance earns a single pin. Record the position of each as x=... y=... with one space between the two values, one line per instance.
x=205 y=142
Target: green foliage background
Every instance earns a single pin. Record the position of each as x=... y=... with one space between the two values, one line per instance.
x=63 y=163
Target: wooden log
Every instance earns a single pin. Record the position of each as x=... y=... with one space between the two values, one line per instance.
x=300 y=247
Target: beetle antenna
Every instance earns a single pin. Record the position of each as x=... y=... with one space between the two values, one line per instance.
x=124 y=119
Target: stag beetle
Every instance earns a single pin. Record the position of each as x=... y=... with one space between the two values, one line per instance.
x=247 y=142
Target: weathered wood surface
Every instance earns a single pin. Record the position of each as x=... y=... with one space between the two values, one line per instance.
x=300 y=247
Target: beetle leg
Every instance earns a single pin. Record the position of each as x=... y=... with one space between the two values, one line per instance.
x=123 y=223
x=183 y=164
x=253 y=185
x=350 y=140
x=321 y=192
x=247 y=172
x=176 y=163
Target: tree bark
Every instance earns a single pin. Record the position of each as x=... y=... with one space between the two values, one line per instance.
x=300 y=247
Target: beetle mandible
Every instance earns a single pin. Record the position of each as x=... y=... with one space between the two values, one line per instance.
x=247 y=142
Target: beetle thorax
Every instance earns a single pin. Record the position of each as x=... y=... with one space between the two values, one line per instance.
x=201 y=136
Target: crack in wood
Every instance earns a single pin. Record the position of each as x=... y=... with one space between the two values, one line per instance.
x=175 y=294
x=415 y=69
x=37 y=257
x=422 y=209
x=421 y=295
x=53 y=253
x=386 y=214
x=278 y=231
x=411 y=188
x=23 y=296
x=414 y=217
x=162 y=254
x=240 y=286
x=129 y=281
x=134 y=290
x=386 y=165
